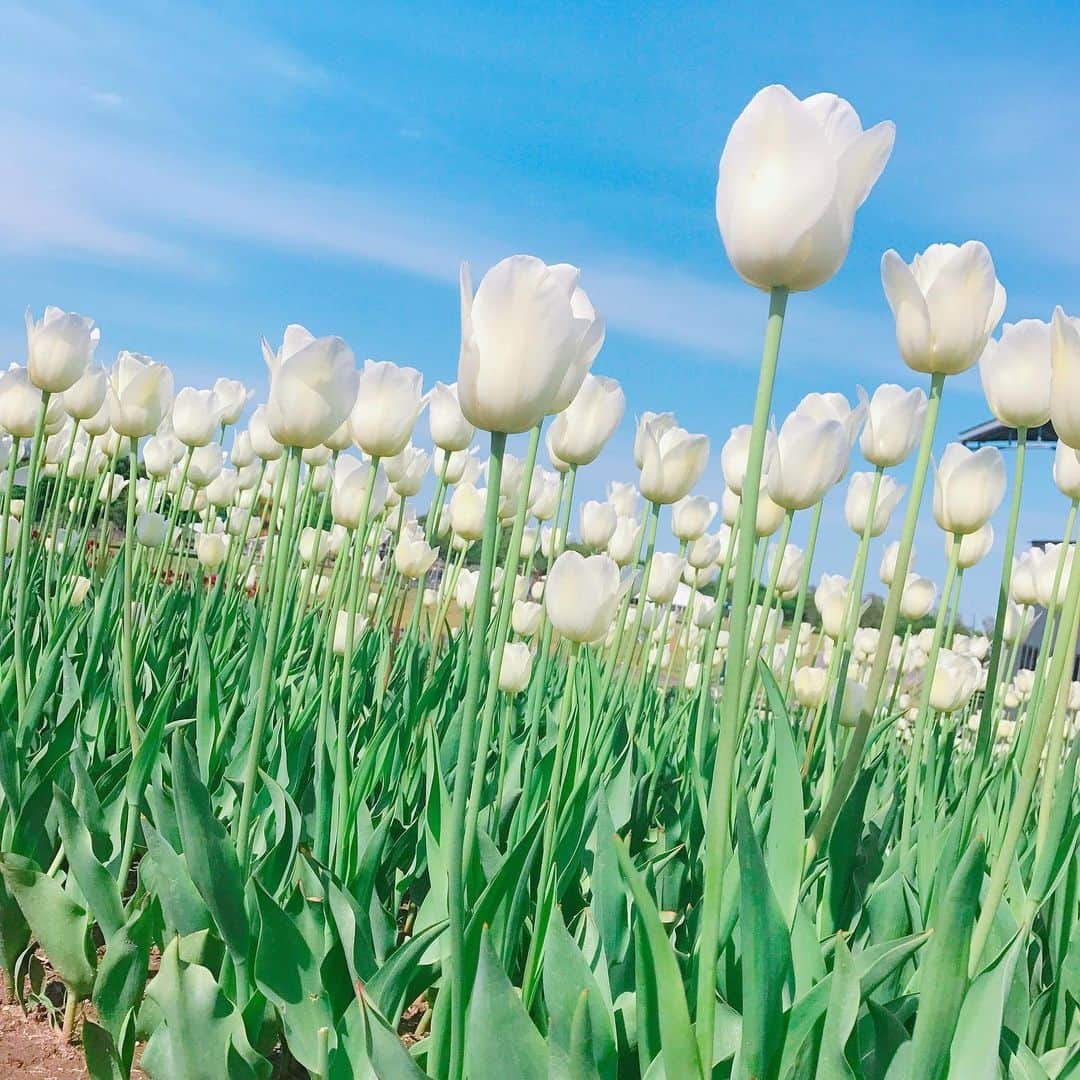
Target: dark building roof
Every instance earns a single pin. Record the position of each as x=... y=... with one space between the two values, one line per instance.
x=995 y=433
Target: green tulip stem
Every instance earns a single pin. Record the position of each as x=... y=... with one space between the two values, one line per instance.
x=126 y=650
x=800 y=601
x=718 y=823
x=456 y=871
x=849 y=767
x=5 y=517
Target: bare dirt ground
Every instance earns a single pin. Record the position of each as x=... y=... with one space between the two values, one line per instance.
x=31 y=1048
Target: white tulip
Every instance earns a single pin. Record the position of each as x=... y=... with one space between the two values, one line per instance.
x=204 y=465
x=84 y=398
x=581 y=595
x=528 y=337
x=1018 y=623
x=196 y=416
x=1067 y=471
x=789 y=572
x=623 y=545
x=142 y=391
x=388 y=401
x=341 y=631
x=20 y=404
x=672 y=460
x=1022 y=583
x=946 y=305
x=210 y=549
x=232 y=397
x=598 y=523
x=792 y=175
x=516 y=667
x=525 y=617
x=894 y=422
x=449 y=428
x=954 y=680
x=624 y=497
x=263 y=442
x=706 y=550
x=352 y=478
x=664 y=575
x=467 y=511
x=811 y=456
x=414 y=558
x=543 y=495
x=810 y=686
x=59 y=347
x=857 y=502
x=917 y=599
x=313 y=385
x=974 y=547
x=691 y=516
x=1065 y=377
x=1015 y=372
x=579 y=433
x=830 y=599
x=735 y=452
x=887 y=571
x=968 y=487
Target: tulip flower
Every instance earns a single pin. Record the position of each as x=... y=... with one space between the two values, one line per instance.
x=704 y=611
x=544 y=495
x=84 y=398
x=59 y=347
x=205 y=465
x=598 y=523
x=20 y=404
x=887 y=570
x=516 y=667
x=968 y=487
x=706 y=550
x=691 y=516
x=833 y=406
x=852 y=705
x=581 y=596
x=388 y=401
x=624 y=541
x=352 y=478
x=210 y=549
x=449 y=428
x=1022 y=583
x=811 y=455
x=624 y=497
x=672 y=460
x=528 y=329
x=974 y=547
x=770 y=516
x=414 y=557
x=954 y=680
x=232 y=396
x=579 y=433
x=142 y=391
x=1015 y=372
x=734 y=454
x=810 y=686
x=1018 y=623
x=917 y=599
x=465 y=590
x=467 y=512
x=341 y=631
x=792 y=175
x=313 y=383
x=1067 y=471
x=857 y=502
x=946 y=305
x=1064 y=379
x=196 y=416
x=830 y=599
x=789 y=572
x=894 y=422
x=525 y=617
x=664 y=577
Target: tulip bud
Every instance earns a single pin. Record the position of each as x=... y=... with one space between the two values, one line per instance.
x=671 y=459
x=151 y=529
x=196 y=416
x=917 y=599
x=857 y=503
x=968 y=487
x=210 y=549
x=624 y=497
x=1015 y=374
x=142 y=392
x=352 y=478
x=232 y=396
x=665 y=572
x=341 y=631
x=598 y=523
x=414 y=558
x=894 y=424
x=86 y=395
x=388 y=401
x=578 y=435
x=974 y=547
x=691 y=516
x=581 y=595
x=810 y=687
x=735 y=453
x=59 y=347
x=516 y=668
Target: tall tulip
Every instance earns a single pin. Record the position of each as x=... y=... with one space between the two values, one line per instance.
x=1015 y=372
x=894 y=422
x=59 y=346
x=1065 y=377
x=388 y=401
x=579 y=433
x=968 y=487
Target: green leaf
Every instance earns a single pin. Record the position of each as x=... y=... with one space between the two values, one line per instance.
x=122 y=975
x=840 y=1018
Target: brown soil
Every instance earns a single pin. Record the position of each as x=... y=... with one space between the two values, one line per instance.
x=31 y=1048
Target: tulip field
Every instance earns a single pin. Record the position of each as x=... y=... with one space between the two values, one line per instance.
x=326 y=754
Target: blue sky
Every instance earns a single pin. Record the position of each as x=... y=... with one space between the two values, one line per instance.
x=195 y=177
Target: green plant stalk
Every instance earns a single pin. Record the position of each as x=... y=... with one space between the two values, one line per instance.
x=262 y=703
x=849 y=767
x=498 y=646
x=984 y=737
x=5 y=517
x=126 y=648
x=52 y=528
x=548 y=870
x=436 y=500
x=922 y=718
x=1060 y=671
x=954 y=611
x=457 y=874
x=718 y=823
x=22 y=557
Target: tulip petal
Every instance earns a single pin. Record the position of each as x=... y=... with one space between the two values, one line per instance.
x=909 y=309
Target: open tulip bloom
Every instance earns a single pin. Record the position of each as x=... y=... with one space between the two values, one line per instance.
x=365 y=723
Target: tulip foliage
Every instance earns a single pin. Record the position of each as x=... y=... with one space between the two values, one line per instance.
x=325 y=755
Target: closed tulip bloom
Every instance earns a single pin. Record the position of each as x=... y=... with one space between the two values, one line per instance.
x=58 y=348
x=456 y=466
x=578 y=435
x=664 y=576
x=232 y=397
x=1065 y=377
x=151 y=529
x=160 y=453
x=830 y=599
x=205 y=465
x=1048 y=568
x=598 y=522
x=955 y=679
x=672 y=461
x=388 y=401
x=312 y=387
x=210 y=549
x=582 y=595
x=789 y=573
x=946 y=305
x=224 y=489
x=1015 y=372
x=20 y=403
x=810 y=687
x=1022 y=583
x=543 y=495
x=811 y=456
x=770 y=516
x=1067 y=471
x=691 y=516
x=314 y=546
x=887 y=570
x=351 y=480
x=516 y=667
x=525 y=618
x=623 y=544
x=894 y=422
x=624 y=497
x=974 y=547
x=87 y=394
x=736 y=449
x=79 y=589
x=1018 y=623
x=263 y=442
x=449 y=428
x=467 y=511
x=834 y=406
x=341 y=631
x=142 y=391
x=315 y=455
x=917 y=599
x=522 y=334
x=196 y=416
x=414 y=557
x=792 y=175
x=857 y=502
x=968 y=487
x=852 y=705
x=465 y=589
x=705 y=550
